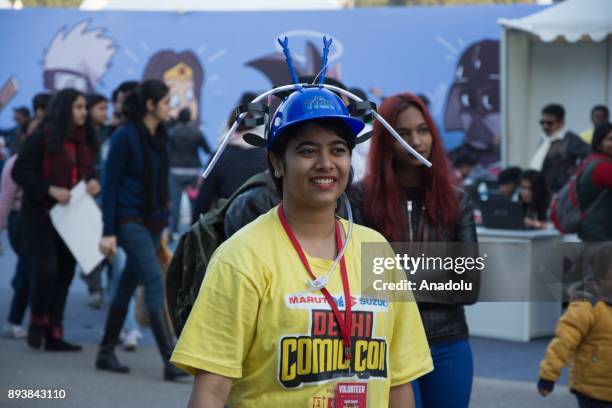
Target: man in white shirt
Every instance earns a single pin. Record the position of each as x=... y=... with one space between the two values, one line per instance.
x=561 y=149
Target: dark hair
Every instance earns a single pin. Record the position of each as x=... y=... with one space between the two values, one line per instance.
x=245 y=98
x=135 y=103
x=359 y=92
x=279 y=148
x=599 y=135
x=184 y=115
x=602 y=108
x=510 y=175
x=94 y=99
x=382 y=206
x=58 y=119
x=41 y=101
x=556 y=110
x=539 y=192
x=23 y=110
x=464 y=159
x=124 y=87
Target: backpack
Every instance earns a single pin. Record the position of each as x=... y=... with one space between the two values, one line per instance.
x=565 y=211
x=193 y=253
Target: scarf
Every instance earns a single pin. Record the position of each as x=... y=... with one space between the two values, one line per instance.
x=538 y=158
x=73 y=162
x=157 y=143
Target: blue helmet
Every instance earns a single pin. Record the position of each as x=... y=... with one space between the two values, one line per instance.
x=310 y=104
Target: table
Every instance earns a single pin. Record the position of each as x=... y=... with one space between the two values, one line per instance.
x=513 y=265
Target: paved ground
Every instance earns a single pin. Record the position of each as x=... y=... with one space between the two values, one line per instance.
x=505 y=371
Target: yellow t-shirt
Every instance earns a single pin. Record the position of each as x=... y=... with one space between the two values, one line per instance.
x=255 y=321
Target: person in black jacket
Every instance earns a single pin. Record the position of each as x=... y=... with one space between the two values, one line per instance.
x=534 y=195
x=237 y=164
x=561 y=150
x=184 y=141
x=52 y=161
x=406 y=201
x=134 y=213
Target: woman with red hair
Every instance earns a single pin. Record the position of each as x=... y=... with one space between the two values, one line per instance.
x=406 y=201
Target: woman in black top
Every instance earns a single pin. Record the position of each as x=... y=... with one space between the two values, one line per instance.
x=406 y=201
x=52 y=161
x=135 y=212
x=534 y=195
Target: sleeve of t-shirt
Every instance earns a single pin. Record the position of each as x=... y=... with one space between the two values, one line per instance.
x=409 y=354
x=221 y=326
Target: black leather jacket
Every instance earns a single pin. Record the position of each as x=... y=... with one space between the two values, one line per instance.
x=442 y=321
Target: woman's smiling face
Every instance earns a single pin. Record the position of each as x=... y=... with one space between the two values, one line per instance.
x=315 y=167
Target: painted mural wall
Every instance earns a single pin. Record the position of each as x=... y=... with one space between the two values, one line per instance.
x=449 y=54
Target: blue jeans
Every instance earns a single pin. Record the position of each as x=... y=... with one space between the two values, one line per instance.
x=450 y=383
x=176 y=185
x=140 y=246
x=117 y=268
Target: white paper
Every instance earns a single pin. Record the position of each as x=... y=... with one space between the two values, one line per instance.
x=79 y=223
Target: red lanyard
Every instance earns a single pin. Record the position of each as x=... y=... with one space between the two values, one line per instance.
x=343 y=324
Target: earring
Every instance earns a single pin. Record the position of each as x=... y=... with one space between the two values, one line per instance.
x=277 y=173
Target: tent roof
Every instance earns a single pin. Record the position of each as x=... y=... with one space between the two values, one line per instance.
x=571 y=19
x=211 y=5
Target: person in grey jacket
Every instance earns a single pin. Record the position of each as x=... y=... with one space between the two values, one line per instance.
x=184 y=140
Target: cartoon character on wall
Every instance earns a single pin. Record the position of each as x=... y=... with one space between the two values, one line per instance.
x=473 y=102
x=274 y=67
x=184 y=75
x=78 y=58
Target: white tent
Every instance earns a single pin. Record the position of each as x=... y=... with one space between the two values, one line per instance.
x=213 y=5
x=562 y=54
x=5 y=4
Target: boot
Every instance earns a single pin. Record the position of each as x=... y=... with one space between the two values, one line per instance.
x=165 y=343
x=54 y=340
x=106 y=359
x=36 y=330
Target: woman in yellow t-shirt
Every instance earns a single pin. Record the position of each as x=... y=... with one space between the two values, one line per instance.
x=281 y=318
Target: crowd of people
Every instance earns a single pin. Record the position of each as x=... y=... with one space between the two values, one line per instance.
x=139 y=164
x=561 y=155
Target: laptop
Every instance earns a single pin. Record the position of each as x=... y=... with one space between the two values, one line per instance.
x=502 y=214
